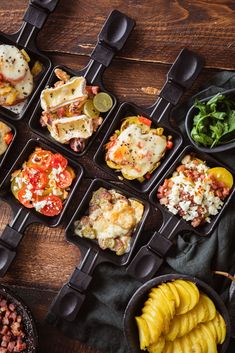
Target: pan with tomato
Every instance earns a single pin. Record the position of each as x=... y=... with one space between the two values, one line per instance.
x=39 y=188
x=142 y=142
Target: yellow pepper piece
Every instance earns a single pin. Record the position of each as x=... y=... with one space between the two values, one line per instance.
x=27 y=58
x=222 y=175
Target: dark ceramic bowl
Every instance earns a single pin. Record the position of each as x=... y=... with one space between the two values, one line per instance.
x=31 y=338
x=137 y=301
x=189 y=125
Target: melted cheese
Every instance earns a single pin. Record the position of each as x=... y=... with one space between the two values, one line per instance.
x=137 y=153
x=25 y=86
x=65 y=129
x=56 y=97
x=13 y=65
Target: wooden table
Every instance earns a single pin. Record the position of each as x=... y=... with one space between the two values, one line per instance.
x=137 y=74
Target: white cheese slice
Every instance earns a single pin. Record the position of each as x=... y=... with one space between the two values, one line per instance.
x=13 y=65
x=71 y=91
x=65 y=129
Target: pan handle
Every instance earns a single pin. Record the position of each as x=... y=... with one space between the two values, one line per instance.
x=114 y=34
x=150 y=257
x=11 y=238
x=181 y=76
x=34 y=19
x=71 y=296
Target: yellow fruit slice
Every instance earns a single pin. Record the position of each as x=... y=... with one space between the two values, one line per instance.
x=211 y=343
x=174 y=292
x=193 y=292
x=144 y=336
x=220 y=327
x=157 y=347
x=168 y=298
x=163 y=321
x=222 y=175
x=185 y=298
x=209 y=308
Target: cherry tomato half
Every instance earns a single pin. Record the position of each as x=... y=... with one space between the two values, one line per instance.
x=41 y=158
x=58 y=161
x=22 y=194
x=8 y=138
x=145 y=121
x=53 y=207
x=36 y=177
x=169 y=145
x=65 y=179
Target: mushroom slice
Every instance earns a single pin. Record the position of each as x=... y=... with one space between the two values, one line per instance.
x=72 y=91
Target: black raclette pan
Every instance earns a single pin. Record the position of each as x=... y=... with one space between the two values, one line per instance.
x=33 y=21
x=70 y=298
x=114 y=34
x=151 y=256
x=22 y=216
x=181 y=76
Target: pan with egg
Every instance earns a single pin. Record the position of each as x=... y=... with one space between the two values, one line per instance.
x=39 y=188
x=141 y=142
x=192 y=196
x=75 y=104
x=106 y=226
x=23 y=68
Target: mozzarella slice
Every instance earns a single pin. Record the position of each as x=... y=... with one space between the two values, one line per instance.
x=137 y=153
x=25 y=86
x=13 y=65
x=72 y=91
x=65 y=129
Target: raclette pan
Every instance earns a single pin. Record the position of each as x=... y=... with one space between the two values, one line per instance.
x=33 y=21
x=71 y=296
x=117 y=28
x=12 y=143
x=22 y=216
x=150 y=257
x=181 y=76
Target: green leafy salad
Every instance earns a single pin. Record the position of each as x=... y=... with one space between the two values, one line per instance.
x=215 y=122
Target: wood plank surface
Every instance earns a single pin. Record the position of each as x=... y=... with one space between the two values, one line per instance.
x=137 y=74
x=163 y=27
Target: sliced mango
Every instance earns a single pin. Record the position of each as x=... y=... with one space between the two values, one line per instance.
x=144 y=336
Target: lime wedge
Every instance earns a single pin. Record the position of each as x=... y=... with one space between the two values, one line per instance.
x=90 y=110
x=103 y=102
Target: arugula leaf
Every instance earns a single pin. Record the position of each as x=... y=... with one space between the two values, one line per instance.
x=214 y=122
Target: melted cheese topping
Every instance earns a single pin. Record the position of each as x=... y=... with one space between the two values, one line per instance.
x=13 y=65
x=56 y=97
x=64 y=129
x=135 y=152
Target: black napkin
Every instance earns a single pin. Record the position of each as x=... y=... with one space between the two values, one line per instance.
x=99 y=324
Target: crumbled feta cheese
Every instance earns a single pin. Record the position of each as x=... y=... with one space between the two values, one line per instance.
x=40 y=204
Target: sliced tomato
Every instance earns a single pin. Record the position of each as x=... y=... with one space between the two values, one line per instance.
x=169 y=144
x=144 y=120
x=58 y=161
x=53 y=207
x=40 y=158
x=65 y=179
x=22 y=194
x=8 y=138
x=36 y=177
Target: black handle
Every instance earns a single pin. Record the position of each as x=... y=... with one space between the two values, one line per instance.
x=181 y=76
x=70 y=298
x=48 y=5
x=150 y=257
x=11 y=238
x=34 y=19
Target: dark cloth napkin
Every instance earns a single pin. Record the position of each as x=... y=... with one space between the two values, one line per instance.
x=99 y=324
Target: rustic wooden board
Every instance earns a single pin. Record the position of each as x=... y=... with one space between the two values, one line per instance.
x=163 y=27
